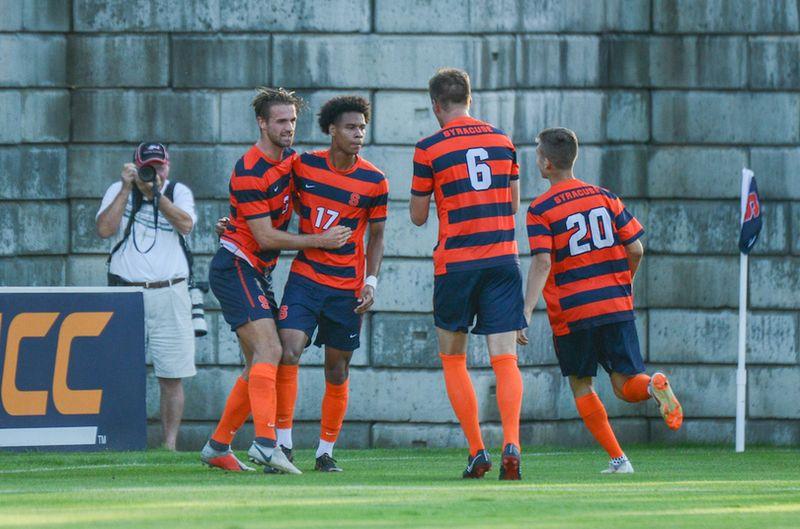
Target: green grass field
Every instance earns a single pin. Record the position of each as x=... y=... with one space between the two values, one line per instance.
x=672 y=487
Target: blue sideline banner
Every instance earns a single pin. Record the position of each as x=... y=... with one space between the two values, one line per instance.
x=72 y=369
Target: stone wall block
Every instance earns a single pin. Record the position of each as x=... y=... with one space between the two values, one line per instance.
x=107 y=61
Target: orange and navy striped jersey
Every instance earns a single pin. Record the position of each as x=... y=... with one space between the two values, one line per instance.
x=259 y=187
x=469 y=166
x=584 y=228
x=327 y=197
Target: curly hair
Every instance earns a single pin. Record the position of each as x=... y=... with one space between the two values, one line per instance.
x=337 y=106
x=267 y=97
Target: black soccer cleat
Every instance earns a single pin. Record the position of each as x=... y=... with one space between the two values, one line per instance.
x=511 y=468
x=288 y=453
x=477 y=465
x=326 y=463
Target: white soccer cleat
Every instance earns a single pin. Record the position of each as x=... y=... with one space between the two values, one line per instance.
x=271 y=457
x=623 y=467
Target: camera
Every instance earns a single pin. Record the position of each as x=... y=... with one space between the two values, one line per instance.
x=196 y=290
x=147 y=173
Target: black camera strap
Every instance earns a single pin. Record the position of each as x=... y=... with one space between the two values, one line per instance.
x=138 y=200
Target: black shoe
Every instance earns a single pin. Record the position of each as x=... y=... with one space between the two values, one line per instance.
x=511 y=468
x=288 y=453
x=326 y=463
x=477 y=465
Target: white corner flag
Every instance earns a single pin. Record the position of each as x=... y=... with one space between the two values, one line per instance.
x=751 y=226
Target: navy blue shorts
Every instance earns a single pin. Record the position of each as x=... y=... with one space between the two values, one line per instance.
x=615 y=346
x=307 y=304
x=243 y=293
x=494 y=295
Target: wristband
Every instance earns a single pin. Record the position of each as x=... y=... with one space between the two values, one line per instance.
x=371 y=281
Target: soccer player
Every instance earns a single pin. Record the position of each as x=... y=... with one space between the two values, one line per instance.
x=471 y=167
x=586 y=251
x=330 y=289
x=240 y=278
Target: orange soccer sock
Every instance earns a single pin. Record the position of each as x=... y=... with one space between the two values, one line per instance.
x=594 y=416
x=334 y=407
x=462 y=398
x=509 y=395
x=237 y=409
x=263 y=399
x=635 y=388
x=286 y=389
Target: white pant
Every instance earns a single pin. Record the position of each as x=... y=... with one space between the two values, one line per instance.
x=169 y=335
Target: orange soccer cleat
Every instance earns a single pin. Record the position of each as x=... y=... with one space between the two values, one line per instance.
x=668 y=404
x=224 y=459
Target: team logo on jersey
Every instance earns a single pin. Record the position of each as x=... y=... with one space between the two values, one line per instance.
x=264 y=302
x=355 y=198
x=284 y=312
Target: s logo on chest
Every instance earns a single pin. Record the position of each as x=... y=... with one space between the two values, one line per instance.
x=355 y=198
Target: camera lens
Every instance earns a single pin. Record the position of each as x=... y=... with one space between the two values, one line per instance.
x=147 y=173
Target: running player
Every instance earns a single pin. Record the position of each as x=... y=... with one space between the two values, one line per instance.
x=471 y=167
x=329 y=289
x=240 y=278
x=586 y=250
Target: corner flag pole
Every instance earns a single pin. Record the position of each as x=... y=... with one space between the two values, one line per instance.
x=741 y=371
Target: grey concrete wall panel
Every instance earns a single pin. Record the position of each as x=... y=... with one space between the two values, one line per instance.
x=302 y=15
x=698 y=62
x=220 y=62
x=32 y=271
x=690 y=281
x=692 y=227
x=93 y=168
x=355 y=61
x=775 y=283
x=558 y=61
x=45 y=116
x=775 y=62
x=772 y=392
x=160 y=116
x=118 y=61
x=776 y=172
x=689 y=336
x=726 y=117
x=33 y=60
x=33 y=172
x=691 y=172
x=35 y=15
x=722 y=16
x=145 y=15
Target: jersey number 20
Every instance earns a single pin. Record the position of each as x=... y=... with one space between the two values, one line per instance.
x=602 y=237
x=480 y=174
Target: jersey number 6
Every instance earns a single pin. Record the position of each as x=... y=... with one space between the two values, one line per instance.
x=480 y=174
x=601 y=237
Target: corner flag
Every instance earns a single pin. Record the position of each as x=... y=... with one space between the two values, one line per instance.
x=750 y=220
x=751 y=212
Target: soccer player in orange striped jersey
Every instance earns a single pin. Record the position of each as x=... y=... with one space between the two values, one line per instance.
x=586 y=251
x=332 y=289
x=471 y=169
x=239 y=276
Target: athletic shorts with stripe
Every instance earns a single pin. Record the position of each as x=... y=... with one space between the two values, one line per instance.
x=244 y=295
x=307 y=305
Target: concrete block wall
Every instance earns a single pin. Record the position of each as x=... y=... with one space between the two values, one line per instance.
x=670 y=98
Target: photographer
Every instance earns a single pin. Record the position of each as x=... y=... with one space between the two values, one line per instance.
x=149 y=215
